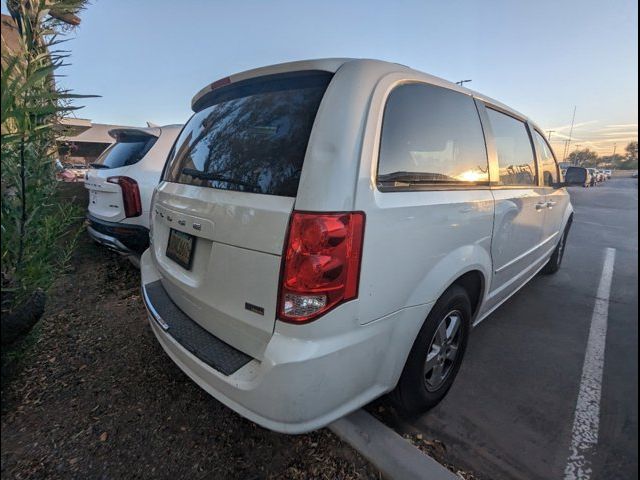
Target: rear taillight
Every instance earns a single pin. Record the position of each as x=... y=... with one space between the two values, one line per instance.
x=321 y=264
x=130 y=195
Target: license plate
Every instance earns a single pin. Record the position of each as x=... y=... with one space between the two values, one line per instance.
x=180 y=248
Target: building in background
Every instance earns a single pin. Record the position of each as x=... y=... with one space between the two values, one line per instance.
x=81 y=142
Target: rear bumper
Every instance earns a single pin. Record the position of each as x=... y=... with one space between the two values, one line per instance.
x=298 y=385
x=121 y=237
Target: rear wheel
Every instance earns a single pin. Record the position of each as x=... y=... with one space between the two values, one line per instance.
x=436 y=354
x=554 y=263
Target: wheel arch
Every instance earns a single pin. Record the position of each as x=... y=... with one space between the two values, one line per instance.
x=468 y=266
x=474 y=283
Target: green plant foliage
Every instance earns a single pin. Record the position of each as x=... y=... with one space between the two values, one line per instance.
x=38 y=232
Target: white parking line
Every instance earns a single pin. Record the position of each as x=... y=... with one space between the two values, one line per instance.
x=586 y=421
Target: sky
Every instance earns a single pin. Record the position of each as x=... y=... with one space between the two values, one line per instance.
x=147 y=58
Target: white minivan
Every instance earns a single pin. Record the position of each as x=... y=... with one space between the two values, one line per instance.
x=121 y=183
x=328 y=231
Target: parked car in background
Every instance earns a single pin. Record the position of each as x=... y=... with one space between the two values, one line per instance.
x=578 y=176
x=65 y=175
x=328 y=231
x=121 y=183
x=68 y=172
x=79 y=170
x=594 y=176
x=608 y=173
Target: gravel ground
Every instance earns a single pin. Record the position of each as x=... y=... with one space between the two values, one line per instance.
x=96 y=397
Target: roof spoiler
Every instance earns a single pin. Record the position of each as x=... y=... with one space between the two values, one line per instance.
x=116 y=133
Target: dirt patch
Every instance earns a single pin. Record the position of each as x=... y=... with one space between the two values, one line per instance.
x=96 y=397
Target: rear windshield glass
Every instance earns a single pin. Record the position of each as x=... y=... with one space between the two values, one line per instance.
x=575 y=174
x=250 y=136
x=126 y=151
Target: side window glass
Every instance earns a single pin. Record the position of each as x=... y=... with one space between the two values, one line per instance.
x=548 y=164
x=431 y=136
x=515 y=153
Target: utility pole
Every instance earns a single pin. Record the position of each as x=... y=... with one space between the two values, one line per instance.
x=573 y=119
x=566 y=147
x=462 y=82
x=549 y=132
x=614 y=149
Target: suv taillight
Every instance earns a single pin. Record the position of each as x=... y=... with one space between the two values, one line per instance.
x=130 y=195
x=321 y=264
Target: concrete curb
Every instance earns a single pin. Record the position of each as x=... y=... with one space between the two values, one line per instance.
x=394 y=456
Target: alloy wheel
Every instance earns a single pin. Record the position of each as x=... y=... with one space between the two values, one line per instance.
x=443 y=350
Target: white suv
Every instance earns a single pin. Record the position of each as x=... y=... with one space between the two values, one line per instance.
x=120 y=184
x=328 y=231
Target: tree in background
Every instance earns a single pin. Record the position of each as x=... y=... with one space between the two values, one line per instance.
x=611 y=161
x=583 y=158
x=38 y=232
x=631 y=159
x=589 y=158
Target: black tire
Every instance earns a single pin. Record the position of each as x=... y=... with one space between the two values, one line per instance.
x=413 y=393
x=555 y=261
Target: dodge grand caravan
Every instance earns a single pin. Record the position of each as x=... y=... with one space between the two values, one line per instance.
x=328 y=231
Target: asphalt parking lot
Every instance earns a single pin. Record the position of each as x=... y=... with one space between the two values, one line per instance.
x=510 y=413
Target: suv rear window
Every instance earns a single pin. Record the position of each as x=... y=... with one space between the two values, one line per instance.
x=129 y=149
x=250 y=136
x=575 y=174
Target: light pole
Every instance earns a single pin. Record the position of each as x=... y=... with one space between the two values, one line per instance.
x=549 y=132
x=568 y=142
x=566 y=147
x=462 y=82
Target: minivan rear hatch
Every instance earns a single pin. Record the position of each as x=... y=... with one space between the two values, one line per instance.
x=221 y=213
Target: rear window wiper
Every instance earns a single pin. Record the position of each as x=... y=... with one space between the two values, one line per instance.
x=416 y=178
x=98 y=165
x=220 y=178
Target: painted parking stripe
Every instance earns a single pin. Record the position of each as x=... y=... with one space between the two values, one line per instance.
x=584 y=435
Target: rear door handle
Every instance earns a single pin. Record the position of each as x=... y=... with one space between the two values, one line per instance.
x=540 y=206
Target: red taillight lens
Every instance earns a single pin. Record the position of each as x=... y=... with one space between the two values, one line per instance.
x=321 y=264
x=130 y=195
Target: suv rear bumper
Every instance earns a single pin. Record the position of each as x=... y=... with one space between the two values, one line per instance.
x=298 y=385
x=121 y=237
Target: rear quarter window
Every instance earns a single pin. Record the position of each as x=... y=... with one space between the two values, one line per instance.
x=431 y=137
x=250 y=136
